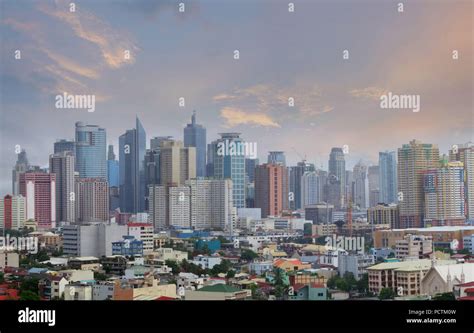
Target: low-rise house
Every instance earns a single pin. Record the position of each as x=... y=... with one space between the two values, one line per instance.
x=78 y=292
x=290 y=264
x=9 y=259
x=464 y=291
x=155 y=292
x=52 y=287
x=206 y=262
x=117 y=290
x=84 y=263
x=306 y=277
x=260 y=267
x=114 y=264
x=308 y=292
x=218 y=292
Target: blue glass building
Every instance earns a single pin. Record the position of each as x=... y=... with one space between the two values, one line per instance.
x=64 y=145
x=90 y=151
x=132 y=149
x=195 y=136
x=388 y=177
x=112 y=168
x=228 y=165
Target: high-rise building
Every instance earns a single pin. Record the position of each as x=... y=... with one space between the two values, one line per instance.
x=169 y=206
x=320 y=213
x=211 y=203
x=271 y=189
x=132 y=149
x=295 y=173
x=388 y=183
x=465 y=154
x=332 y=191
x=444 y=195
x=39 y=190
x=62 y=165
x=12 y=212
x=112 y=168
x=413 y=160
x=384 y=214
x=230 y=164
x=276 y=157
x=155 y=142
x=92 y=200
x=90 y=151
x=195 y=136
x=250 y=164
x=65 y=145
x=177 y=163
x=310 y=189
x=337 y=169
x=21 y=166
x=152 y=168
x=349 y=184
x=360 y=176
x=373 y=176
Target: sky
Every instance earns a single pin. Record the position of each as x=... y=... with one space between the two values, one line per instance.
x=282 y=54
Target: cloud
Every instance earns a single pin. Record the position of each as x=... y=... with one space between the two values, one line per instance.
x=71 y=66
x=369 y=93
x=89 y=27
x=235 y=117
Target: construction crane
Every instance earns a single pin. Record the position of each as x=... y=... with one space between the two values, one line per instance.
x=303 y=158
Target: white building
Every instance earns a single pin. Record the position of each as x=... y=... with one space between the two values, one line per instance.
x=142 y=232
x=9 y=259
x=468 y=242
x=206 y=262
x=91 y=239
x=442 y=278
x=310 y=189
x=78 y=292
x=355 y=263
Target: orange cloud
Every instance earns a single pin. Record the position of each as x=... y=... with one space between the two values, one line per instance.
x=235 y=117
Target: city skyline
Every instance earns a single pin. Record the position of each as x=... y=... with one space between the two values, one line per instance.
x=192 y=56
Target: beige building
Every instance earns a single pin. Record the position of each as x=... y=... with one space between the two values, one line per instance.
x=92 y=199
x=414 y=247
x=177 y=163
x=9 y=259
x=383 y=214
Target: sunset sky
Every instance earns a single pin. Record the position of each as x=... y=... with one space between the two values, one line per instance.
x=282 y=55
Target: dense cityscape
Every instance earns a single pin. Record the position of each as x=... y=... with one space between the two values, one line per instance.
x=191 y=220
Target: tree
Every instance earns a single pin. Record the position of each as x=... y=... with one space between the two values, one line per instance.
x=331 y=284
x=386 y=293
x=444 y=297
x=350 y=280
x=28 y=295
x=29 y=284
x=100 y=276
x=248 y=255
x=173 y=265
x=230 y=274
x=2 y=278
x=363 y=283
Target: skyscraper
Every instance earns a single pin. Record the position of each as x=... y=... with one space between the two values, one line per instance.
x=230 y=165
x=271 y=189
x=39 y=190
x=65 y=145
x=177 y=163
x=62 y=165
x=250 y=164
x=310 y=189
x=444 y=195
x=413 y=160
x=92 y=199
x=337 y=171
x=195 y=136
x=373 y=176
x=12 y=212
x=465 y=154
x=112 y=168
x=296 y=172
x=21 y=166
x=276 y=157
x=132 y=149
x=360 y=176
x=90 y=151
x=388 y=177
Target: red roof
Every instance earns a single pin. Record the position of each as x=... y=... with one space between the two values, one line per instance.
x=8 y=294
x=298 y=286
x=467 y=284
x=469 y=290
x=467 y=298
x=165 y=298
